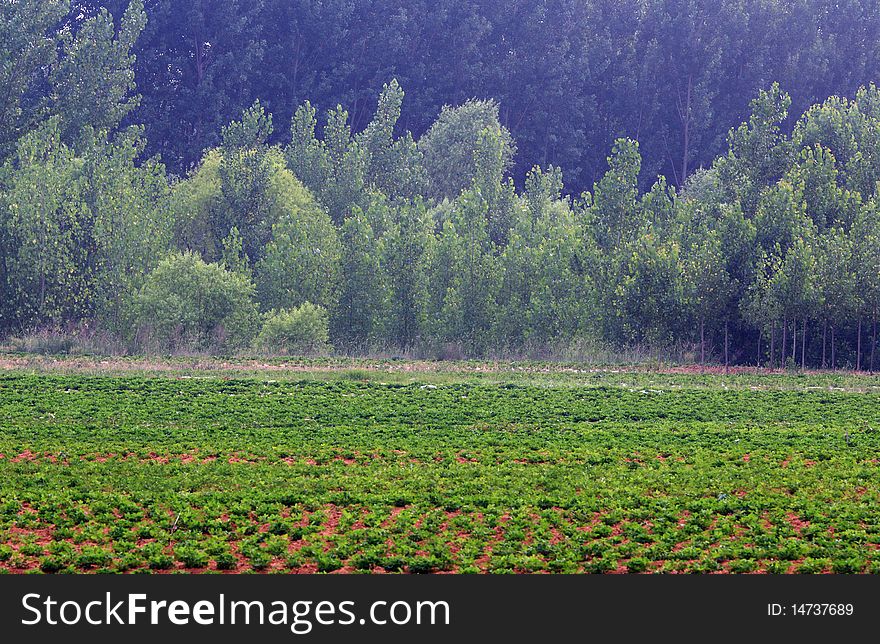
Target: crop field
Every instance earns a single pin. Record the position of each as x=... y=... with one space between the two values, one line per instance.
x=388 y=469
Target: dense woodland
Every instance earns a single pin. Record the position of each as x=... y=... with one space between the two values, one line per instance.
x=181 y=178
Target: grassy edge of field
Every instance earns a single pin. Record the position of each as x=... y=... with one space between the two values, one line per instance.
x=394 y=370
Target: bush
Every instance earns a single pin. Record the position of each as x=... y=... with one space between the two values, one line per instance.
x=187 y=303
x=226 y=561
x=302 y=330
x=91 y=557
x=191 y=557
x=52 y=564
x=160 y=562
x=637 y=565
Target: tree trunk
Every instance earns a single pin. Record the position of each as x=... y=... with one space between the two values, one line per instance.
x=804 y=346
x=859 y=348
x=760 y=337
x=833 y=350
x=42 y=292
x=874 y=340
x=824 y=343
x=702 y=345
x=772 y=345
x=687 y=129
x=794 y=342
x=726 y=346
x=784 y=342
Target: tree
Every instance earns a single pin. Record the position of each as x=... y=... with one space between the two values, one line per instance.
x=489 y=183
x=781 y=218
x=186 y=302
x=762 y=304
x=615 y=197
x=197 y=68
x=82 y=230
x=358 y=316
x=249 y=171
x=866 y=256
x=124 y=229
x=795 y=286
x=43 y=204
x=836 y=284
x=93 y=79
x=707 y=285
x=445 y=321
x=27 y=50
x=335 y=167
x=450 y=146
x=394 y=166
x=758 y=152
x=847 y=129
x=301 y=262
x=285 y=234
x=686 y=43
x=407 y=244
x=648 y=292
x=815 y=175
x=302 y=330
x=544 y=295
x=477 y=276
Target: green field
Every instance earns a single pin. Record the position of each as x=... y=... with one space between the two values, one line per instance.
x=387 y=468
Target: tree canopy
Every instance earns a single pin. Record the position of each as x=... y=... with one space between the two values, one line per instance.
x=544 y=175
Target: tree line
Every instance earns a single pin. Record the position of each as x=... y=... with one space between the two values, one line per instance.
x=318 y=233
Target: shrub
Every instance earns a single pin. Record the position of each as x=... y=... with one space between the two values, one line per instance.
x=226 y=561
x=186 y=303
x=741 y=566
x=160 y=561
x=813 y=565
x=421 y=565
x=258 y=558
x=191 y=557
x=637 y=564
x=301 y=330
x=328 y=563
x=52 y=564
x=849 y=566
x=600 y=566
x=91 y=557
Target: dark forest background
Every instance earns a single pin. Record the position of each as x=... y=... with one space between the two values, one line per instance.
x=571 y=76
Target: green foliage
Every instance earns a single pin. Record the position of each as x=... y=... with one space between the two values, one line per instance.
x=303 y=330
x=417 y=228
x=245 y=185
x=451 y=145
x=27 y=48
x=394 y=165
x=187 y=303
x=40 y=263
x=358 y=316
x=759 y=153
x=408 y=244
x=593 y=472
x=245 y=196
x=301 y=261
x=334 y=167
x=614 y=204
x=93 y=80
x=648 y=295
x=90 y=233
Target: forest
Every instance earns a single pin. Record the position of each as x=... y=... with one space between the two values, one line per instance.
x=674 y=175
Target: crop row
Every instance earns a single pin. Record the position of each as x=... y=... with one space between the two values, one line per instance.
x=211 y=475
